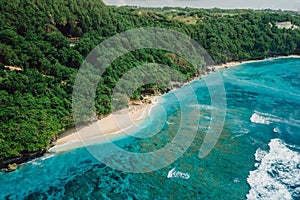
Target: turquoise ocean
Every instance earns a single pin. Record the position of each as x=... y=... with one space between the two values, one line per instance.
x=257 y=155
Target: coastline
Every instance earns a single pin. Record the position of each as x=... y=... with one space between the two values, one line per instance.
x=116 y=125
x=123 y=122
x=70 y=139
x=237 y=63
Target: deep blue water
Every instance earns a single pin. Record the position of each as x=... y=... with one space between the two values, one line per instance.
x=256 y=156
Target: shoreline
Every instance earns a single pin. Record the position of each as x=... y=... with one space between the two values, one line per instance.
x=116 y=125
x=113 y=127
x=69 y=139
x=237 y=63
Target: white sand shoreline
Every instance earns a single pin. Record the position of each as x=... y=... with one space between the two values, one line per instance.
x=124 y=122
x=238 y=63
x=115 y=125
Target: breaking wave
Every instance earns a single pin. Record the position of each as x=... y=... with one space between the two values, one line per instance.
x=177 y=174
x=265 y=118
x=277 y=175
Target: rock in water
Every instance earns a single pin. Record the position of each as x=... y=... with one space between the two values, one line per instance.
x=12 y=167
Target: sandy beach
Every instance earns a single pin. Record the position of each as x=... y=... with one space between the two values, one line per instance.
x=115 y=125
x=126 y=121
x=237 y=63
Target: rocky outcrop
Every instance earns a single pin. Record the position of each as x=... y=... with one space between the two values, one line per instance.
x=10 y=164
x=12 y=167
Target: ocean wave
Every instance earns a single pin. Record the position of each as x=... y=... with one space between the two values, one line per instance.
x=207 y=118
x=265 y=118
x=277 y=175
x=170 y=123
x=276 y=130
x=203 y=107
x=47 y=156
x=240 y=132
x=177 y=174
x=38 y=161
x=260 y=154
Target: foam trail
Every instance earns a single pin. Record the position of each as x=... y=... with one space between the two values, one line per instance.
x=265 y=118
x=255 y=118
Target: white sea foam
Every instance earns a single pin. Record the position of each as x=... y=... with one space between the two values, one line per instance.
x=265 y=118
x=123 y=130
x=240 y=132
x=47 y=156
x=64 y=146
x=34 y=162
x=170 y=123
x=203 y=107
x=277 y=175
x=207 y=117
x=276 y=130
x=37 y=161
x=236 y=180
x=177 y=174
x=260 y=154
x=255 y=118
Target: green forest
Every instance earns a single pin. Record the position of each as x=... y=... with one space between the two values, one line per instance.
x=39 y=59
